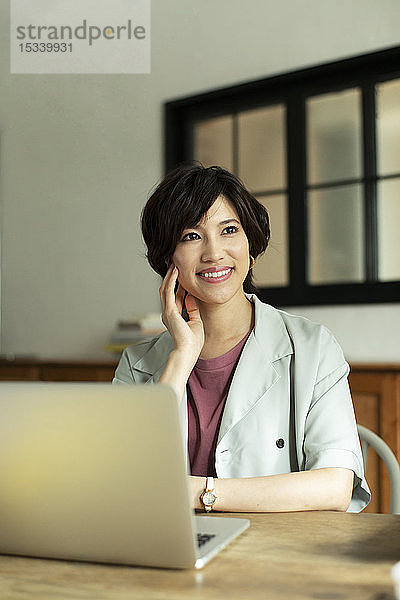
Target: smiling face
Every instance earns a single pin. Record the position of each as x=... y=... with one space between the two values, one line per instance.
x=213 y=257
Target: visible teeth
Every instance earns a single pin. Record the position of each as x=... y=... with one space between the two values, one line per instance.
x=215 y=275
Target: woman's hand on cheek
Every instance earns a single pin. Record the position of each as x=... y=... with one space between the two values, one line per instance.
x=188 y=336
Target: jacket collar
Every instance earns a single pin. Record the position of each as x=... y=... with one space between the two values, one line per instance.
x=270 y=332
x=153 y=362
x=268 y=343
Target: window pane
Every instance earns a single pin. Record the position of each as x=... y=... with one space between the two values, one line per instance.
x=388 y=127
x=336 y=235
x=388 y=230
x=272 y=269
x=213 y=142
x=334 y=136
x=262 y=154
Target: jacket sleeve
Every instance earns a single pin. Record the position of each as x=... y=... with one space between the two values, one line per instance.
x=330 y=435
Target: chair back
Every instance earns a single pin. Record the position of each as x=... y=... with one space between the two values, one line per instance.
x=369 y=438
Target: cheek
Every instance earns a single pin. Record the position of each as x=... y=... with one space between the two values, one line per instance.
x=241 y=250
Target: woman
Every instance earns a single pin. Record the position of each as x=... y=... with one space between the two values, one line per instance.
x=265 y=404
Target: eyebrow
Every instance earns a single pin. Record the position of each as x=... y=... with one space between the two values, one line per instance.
x=229 y=221
x=225 y=222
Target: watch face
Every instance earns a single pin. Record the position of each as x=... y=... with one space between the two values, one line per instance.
x=209 y=498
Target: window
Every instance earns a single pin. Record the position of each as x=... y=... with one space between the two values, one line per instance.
x=320 y=148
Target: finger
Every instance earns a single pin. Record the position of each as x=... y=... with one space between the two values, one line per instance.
x=164 y=281
x=166 y=277
x=164 y=285
x=180 y=296
x=169 y=290
x=192 y=308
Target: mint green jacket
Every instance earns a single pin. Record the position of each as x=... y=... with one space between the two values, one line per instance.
x=288 y=408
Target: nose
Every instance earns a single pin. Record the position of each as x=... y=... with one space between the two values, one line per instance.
x=213 y=251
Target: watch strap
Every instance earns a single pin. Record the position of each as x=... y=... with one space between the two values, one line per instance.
x=209 y=484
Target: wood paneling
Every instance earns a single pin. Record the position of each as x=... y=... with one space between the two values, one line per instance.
x=376 y=396
x=57 y=370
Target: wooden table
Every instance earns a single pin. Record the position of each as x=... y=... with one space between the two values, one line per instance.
x=315 y=555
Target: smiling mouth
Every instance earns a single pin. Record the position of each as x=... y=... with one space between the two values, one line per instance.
x=216 y=274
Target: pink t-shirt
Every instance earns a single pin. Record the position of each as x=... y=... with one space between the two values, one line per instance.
x=207 y=390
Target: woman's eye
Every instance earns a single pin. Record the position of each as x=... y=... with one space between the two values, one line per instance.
x=192 y=235
x=233 y=229
x=189 y=236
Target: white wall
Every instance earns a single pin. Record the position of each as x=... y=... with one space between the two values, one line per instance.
x=79 y=154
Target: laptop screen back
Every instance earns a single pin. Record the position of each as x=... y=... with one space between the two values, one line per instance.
x=94 y=472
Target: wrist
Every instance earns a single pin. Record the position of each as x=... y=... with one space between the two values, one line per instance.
x=183 y=359
x=176 y=372
x=196 y=489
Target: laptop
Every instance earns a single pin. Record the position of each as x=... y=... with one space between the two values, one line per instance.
x=96 y=472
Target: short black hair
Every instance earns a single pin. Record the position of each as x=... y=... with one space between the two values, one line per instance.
x=181 y=200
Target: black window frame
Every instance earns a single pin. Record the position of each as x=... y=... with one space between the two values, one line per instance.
x=294 y=87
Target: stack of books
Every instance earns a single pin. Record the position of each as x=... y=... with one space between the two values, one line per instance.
x=133 y=330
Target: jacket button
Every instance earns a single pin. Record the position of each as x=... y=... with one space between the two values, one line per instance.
x=280 y=443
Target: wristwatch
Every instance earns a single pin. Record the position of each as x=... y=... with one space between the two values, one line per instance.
x=208 y=497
